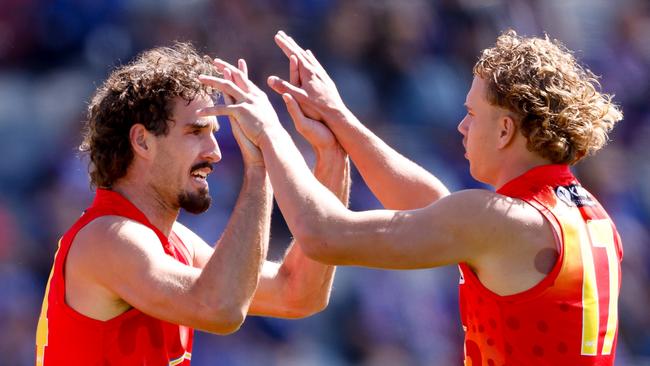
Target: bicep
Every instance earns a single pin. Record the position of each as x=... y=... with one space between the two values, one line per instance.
x=137 y=270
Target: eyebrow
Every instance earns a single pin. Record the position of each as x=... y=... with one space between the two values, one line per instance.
x=197 y=125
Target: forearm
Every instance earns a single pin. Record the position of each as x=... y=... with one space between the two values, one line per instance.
x=300 y=286
x=332 y=169
x=309 y=282
x=396 y=181
x=231 y=275
x=309 y=208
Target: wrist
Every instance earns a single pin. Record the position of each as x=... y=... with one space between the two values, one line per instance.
x=257 y=179
x=338 y=114
x=270 y=137
x=330 y=152
x=255 y=172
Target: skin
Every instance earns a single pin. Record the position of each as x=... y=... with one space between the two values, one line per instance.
x=427 y=227
x=116 y=264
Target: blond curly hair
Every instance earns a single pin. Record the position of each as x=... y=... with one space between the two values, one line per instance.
x=559 y=105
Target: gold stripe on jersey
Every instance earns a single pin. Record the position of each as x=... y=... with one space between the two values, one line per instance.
x=590 y=313
x=178 y=361
x=602 y=235
x=42 y=327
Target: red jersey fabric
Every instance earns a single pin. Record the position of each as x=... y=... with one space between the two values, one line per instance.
x=66 y=337
x=570 y=317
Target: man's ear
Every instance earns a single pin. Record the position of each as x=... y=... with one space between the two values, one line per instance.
x=141 y=140
x=507 y=130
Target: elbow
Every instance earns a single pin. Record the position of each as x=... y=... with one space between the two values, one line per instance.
x=225 y=320
x=305 y=308
x=317 y=306
x=322 y=252
x=319 y=249
x=317 y=242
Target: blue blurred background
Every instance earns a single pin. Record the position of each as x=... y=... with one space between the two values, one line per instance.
x=402 y=66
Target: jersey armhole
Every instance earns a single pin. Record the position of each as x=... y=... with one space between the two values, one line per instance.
x=471 y=277
x=178 y=242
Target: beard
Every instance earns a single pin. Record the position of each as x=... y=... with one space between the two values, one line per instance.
x=195 y=202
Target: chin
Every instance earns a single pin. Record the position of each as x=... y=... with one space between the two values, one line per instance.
x=477 y=174
x=195 y=202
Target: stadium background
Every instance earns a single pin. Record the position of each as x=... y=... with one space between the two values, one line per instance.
x=402 y=66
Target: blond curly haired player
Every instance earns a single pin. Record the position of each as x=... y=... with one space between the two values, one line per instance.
x=539 y=258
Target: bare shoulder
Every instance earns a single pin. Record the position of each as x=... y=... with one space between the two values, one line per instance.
x=103 y=252
x=107 y=239
x=114 y=231
x=510 y=234
x=485 y=209
x=495 y=222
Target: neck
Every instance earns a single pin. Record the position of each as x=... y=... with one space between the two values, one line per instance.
x=513 y=169
x=148 y=200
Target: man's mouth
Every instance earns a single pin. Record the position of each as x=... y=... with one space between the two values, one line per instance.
x=201 y=171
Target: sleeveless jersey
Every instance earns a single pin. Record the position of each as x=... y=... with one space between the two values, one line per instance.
x=571 y=316
x=66 y=337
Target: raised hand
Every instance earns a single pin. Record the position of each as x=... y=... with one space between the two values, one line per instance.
x=309 y=84
x=249 y=105
x=251 y=154
x=316 y=133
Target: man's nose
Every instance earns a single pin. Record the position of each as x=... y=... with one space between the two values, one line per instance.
x=213 y=153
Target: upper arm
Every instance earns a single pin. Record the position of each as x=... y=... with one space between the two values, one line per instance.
x=127 y=259
x=269 y=298
x=462 y=227
x=290 y=291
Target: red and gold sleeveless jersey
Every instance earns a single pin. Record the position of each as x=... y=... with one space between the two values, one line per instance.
x=569 y=318
x=66 y=337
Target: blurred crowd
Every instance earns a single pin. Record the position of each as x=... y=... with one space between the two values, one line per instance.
x=403 y=66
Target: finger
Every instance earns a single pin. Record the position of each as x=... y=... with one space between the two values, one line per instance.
x=227 y=98
x=282 y=86
x=294 y=111
x=294 y=73
x=241 y=63
x=218 y=110
x=238 y=76
x=283 y=43
x=302 y=52
x=224 y=86
x=291 y=43
x=314 y=60
x=290 y=47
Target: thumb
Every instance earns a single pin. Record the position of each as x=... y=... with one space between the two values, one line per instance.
x=282 y=86
x=237 y=132
x=240 y=136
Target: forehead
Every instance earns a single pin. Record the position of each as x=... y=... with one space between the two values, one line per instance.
x=185 y=114
x=477 y=93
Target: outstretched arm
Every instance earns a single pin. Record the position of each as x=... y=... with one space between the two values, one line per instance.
x=324 y=227
x=116 y=263
x=300 y=286
x=396 y=181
